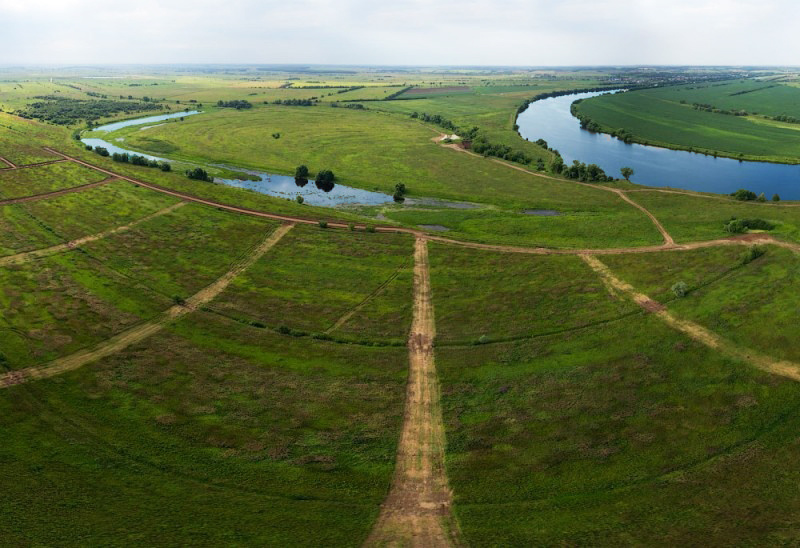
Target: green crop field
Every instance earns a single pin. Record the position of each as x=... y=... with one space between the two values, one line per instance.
x=497 y=355
x=667 y=117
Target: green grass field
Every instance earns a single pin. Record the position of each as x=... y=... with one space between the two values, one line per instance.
x=272 y=414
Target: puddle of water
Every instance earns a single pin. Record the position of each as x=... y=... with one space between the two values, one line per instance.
x=435 y=228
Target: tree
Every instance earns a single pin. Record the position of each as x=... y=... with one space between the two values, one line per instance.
x=324 y=180
x=301 y=172
x=776 y=198
x=199 y=174
x=744 y=195
x=626 y=172
x=761 y=198
x=300 y=199
x=165 y=166
x=398 y=197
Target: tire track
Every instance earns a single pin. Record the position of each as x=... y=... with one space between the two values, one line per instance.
x=784 y=368
x=25 y=257
x=417 y=511
x=144 y=330
x=357 y=308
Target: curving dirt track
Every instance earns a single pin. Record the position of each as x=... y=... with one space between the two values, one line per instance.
x=699 y=333
x=667 y=246
x=417 y=511
x=140 y=332
x=21 y=258
x=9 y=163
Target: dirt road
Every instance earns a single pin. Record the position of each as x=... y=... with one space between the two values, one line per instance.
x=417 y=511
x=141 y=331
x=668 y=245
x=697 y=332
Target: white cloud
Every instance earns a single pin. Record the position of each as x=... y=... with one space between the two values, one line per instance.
x=501 y=32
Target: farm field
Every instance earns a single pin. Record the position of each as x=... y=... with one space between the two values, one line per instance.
x=498 y=356
x=666 y=117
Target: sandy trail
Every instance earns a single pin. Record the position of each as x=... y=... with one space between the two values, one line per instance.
x=55 y=193
x=697 y=332
x=417 y=511
x=141 y=331
x=21 y=258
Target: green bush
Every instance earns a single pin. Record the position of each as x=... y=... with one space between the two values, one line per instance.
x=752 y=253
x=738 y=226
x=323 y=224
x=744 y=195
x=680 y=289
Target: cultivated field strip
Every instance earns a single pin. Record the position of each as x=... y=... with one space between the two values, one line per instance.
x=140 y=332
x=21 y=258
x=697 y=332
x=417 y=511
x=55 y=193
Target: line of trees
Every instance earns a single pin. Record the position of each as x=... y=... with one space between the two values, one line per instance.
x=238 y=104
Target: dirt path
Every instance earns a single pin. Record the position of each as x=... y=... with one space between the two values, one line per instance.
x=9 y=163
x=55 y=193
x=144 y=330
x=13 y=166
x=28 y=256
x=417 y=511
x=697 y=332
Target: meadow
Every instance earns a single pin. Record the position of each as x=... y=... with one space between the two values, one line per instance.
x=274 y=411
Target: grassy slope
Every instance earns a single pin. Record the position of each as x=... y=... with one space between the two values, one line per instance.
x=212 y=433
x=627 y=433
x=657 y=117
x=690 y=218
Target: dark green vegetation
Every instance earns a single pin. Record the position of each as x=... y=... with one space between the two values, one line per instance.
x=748 y=119
x=271 y=415
x=65 y=111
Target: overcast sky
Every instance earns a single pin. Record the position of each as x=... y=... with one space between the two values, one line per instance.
x=410 y=32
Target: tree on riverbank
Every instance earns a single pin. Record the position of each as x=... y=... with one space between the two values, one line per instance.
x=626 y=172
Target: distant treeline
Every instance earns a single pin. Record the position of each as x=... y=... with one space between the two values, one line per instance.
x=238 y=104
x=293 y=102
x=65 y=111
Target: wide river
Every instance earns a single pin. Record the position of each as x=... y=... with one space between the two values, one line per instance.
x=551 y=120
x=281 y=186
